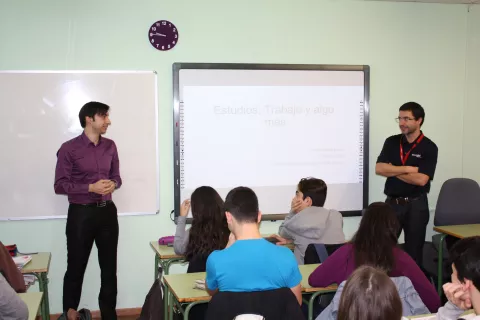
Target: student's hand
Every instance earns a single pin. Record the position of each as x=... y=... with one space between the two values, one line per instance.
x=231 y=240
x=456 y=295
x=296 y=205
x=100 y=187
x=281 y=241
x=184 y=208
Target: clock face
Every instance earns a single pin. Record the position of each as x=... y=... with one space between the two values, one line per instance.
x=163 y=35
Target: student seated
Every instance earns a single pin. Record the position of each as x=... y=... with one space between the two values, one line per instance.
x=10 y=271
x=463 y=292
x=249 y=262
x=369 y=294
x=375 y=244
x=11 y=282
x=11 y=306
x=209 y=230
x=308 y=221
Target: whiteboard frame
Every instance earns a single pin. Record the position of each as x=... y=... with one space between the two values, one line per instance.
x=177 y=66
x=157 y=160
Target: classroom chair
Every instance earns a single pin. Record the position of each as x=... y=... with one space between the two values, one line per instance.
x=319 y=252
x=278 y=304
x=458 y=203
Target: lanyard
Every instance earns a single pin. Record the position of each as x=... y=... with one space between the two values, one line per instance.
x=404 y=158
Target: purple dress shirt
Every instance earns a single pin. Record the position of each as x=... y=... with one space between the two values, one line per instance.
x=80 y=163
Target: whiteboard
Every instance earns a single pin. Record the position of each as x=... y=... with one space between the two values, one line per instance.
x=39 y=112
x=268 y=126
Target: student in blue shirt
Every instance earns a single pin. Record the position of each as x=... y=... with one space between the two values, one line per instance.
x=249 y=262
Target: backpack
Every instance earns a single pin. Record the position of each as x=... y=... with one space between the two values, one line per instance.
x=153 y=307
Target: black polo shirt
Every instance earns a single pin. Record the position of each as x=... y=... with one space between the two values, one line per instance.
x=424 y=156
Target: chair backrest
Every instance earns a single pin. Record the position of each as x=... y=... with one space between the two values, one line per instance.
x=458 y=203
x=319 y=252
x=275 y=304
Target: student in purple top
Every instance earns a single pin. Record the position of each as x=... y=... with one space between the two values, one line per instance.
x=88 y=172
x=375 y=244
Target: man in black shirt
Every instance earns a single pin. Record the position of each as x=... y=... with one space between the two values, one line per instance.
x=408 y=160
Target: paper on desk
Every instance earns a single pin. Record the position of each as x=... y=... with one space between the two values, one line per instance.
x=199 y=284
x=21 y=261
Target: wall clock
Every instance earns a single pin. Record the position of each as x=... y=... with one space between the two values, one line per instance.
x=163 y=35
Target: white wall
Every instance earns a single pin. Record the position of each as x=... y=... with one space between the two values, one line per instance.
x=415 y=51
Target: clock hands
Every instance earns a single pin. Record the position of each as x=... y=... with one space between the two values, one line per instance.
x=157 y=34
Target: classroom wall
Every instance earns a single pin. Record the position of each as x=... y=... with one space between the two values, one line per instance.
x=415 y=51
x=471 y=151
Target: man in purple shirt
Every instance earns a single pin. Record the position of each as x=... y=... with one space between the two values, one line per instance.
x=88 y=172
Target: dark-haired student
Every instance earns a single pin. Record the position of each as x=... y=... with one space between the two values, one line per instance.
x=370 y=294
x=209 y=230
x=463 y=292
x=308 y=221
x=249 y=262
x=375 y=244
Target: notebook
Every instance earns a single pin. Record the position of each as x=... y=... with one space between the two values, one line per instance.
x=21 y=261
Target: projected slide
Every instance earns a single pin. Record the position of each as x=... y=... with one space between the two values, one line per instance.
x=266 y=129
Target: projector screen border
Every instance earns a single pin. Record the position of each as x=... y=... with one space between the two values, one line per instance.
x=177 y=66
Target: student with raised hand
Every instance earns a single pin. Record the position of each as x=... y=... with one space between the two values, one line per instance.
x=375 y=244
x=308 y=221
x=249 y=262
x=209 y=230
x=463 y=292
x=370 y=294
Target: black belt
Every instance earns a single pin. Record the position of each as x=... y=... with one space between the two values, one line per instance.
x=95 y=204
x=403 y=200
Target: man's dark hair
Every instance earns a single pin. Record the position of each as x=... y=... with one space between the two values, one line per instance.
x=314 y=188
x=90 y=109
x=465 y=256
x=416 y=109
x=242 y=203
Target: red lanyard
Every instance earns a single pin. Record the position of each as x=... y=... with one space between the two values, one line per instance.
x=404 y=158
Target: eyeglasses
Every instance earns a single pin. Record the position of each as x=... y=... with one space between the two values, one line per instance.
x=406 y=119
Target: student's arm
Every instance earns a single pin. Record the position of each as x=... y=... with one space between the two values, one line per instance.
x=63 y=172
x=282 y=230
x=11 y=306
x=180 y=241
x=458 y=302
x=10 y=271
x=211 y=283
x=333 y=269
x=115 y=168
x=292 y=275
x=297 y=291
x=425 y=289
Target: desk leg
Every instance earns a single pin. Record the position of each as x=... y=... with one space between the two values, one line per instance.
x=43 y=287
x=157 y=261
x=312 y=300
x=166 y=295
x=440 y=265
